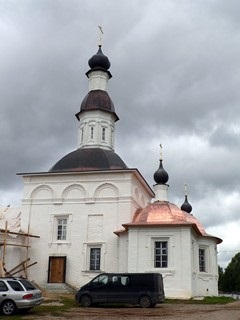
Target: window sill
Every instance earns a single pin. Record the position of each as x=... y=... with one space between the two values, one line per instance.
x=205 y=276
x=165 y=272
x=92 y=271
x=59 y=242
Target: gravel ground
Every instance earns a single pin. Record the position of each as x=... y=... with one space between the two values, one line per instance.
x=179 y=311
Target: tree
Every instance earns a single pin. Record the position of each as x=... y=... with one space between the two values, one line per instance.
x=220 y=279
x=231 y=276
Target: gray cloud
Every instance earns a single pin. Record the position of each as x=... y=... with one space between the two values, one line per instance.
x=176 y=73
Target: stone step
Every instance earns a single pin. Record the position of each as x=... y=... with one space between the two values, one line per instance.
x=59 y=288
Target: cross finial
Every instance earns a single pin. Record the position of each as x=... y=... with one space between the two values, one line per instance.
x=100 y=36
x=185 y=189
x=161 y=151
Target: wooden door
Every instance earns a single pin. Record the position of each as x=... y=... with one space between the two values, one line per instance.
x=56 y=269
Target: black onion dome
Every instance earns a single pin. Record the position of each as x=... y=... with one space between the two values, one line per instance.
x=89 y=159
x=186 y=206
x=99 y=60
x=161 y=176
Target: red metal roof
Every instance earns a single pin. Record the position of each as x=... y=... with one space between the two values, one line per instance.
x=164 y=214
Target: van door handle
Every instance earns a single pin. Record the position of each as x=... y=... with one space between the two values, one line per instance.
x=4 y=295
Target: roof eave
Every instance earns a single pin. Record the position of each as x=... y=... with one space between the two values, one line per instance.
x=164 y=225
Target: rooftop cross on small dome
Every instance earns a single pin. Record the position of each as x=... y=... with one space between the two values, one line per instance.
x=186 y=205
x=161 y=158
x=99 y=61
x=161 y=176
x=100 y=36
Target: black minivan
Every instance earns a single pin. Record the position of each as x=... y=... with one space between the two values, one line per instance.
x=145 y=289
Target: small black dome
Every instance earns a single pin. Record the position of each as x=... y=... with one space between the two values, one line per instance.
x=89 y=159
x=99 y=60
x=186 y=206
x=161 y=176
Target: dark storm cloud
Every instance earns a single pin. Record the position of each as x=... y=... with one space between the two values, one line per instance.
x=176 y=75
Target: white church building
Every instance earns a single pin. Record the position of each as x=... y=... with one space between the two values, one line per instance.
x=93 y=214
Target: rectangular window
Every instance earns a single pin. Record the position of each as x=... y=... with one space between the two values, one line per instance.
x=103 y=134
x=112 y=136
x=202 y=260
x=62 y=229
x=82 y=135
x=160 y=254
x=95 y=258
x=91 y=134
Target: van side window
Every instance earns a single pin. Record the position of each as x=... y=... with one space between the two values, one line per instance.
x=125 y=281
x=120 y=280
x=115 y=279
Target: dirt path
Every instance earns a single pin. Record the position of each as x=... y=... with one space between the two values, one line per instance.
x=230 y=311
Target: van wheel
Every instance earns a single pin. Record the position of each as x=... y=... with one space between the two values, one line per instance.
x=85 y=301
x=145 y=302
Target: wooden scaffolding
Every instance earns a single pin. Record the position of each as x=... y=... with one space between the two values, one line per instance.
x=6 y=241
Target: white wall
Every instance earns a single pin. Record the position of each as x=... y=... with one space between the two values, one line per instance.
x=182 y=278
x=107 y=197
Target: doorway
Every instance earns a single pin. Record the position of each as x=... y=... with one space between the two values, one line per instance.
x=56 y=269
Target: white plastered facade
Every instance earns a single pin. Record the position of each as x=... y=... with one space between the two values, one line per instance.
x=182 y=278
x=95 y=205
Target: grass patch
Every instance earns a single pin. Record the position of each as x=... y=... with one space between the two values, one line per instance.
x=50 y=307
x=205 y=300
x=217 y=300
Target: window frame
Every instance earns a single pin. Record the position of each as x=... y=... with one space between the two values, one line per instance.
x=82 y=134
x=91 y=132
x=53 y=231
x=202 y=259
x=103 y=135
x=63 y=233
x=95 y=259
x=163 y=257
x=112 y=137
x=86 y=256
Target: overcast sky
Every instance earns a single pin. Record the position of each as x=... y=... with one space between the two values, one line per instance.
x=176 y=76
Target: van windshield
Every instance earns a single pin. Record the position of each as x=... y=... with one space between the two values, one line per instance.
x=100 y=280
